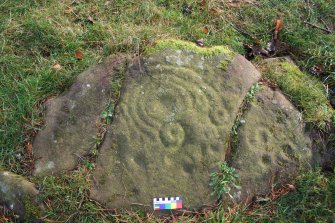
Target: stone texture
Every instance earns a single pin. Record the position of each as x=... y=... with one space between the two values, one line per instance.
x=272 y=145
x=18 y=195
x=72 y=119
x=170 y=128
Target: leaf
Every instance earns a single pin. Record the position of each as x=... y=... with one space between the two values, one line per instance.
x=57 y=66
x=104 y=114
x=317 y=69
x=29 y=149
x=68 y=10
x=79 y=55
x=274 y=44
x=291 y=187
x=203 y=3
x=90 y=19
x=215 y=11
x=205 y=30
x=279 y=24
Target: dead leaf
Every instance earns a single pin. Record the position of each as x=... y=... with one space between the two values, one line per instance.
x=279 y=24
x=29 y=149
x=57 y=66
x=215 y=11
x=268 y=83
x=79 y=55
x=68 y=10
x=205 y=30
x=317 y=69
x=274 y=44
x=291 y=187
x=203 y=3
x=90 y=19
x=200 y=42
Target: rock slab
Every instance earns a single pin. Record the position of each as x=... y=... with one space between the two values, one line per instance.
x=272 y=145
x=19 y=196
x=72 y=119
x=171 y=127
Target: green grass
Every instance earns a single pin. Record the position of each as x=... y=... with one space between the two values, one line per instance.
x=312 y=201
x=310 y=46
x=37 y=34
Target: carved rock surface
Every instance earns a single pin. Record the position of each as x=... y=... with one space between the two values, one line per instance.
x=171 y=127
x=72 y=119
x=272 y=145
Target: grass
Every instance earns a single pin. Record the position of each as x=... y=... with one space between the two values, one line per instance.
x=36 y=35
x=309 y=46
x=312 y=201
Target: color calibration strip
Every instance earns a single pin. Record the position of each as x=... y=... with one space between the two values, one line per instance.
x=168 y=203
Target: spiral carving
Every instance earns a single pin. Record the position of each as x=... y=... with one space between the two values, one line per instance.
x=162 y=106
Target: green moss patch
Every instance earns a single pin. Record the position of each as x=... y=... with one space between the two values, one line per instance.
x=307 y=93
x=184 y=45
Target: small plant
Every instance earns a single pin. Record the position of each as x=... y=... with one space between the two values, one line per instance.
x=107 y=115
x=223 y=181
x=252 y=91
x=88 y=164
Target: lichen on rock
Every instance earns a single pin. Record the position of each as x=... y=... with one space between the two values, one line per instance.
x=273 y=145
x=171 y=125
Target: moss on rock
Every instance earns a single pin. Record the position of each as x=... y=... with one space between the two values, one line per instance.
x=306 y=92
x=189 y=46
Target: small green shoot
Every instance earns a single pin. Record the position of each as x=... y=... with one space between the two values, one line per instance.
x=107 y=115
x=251 y=93
x=223 y=181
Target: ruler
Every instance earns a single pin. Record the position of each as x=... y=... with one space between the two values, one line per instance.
x=167 y=203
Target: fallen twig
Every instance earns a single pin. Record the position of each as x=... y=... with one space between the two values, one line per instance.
x=316 y=26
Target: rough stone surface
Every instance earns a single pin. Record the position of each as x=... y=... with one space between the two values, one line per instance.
x=272 y=145
x=72 y=119
x=170 y=128
x=18 y=195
